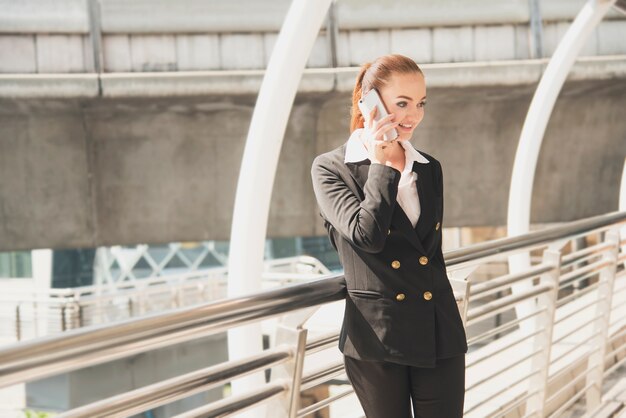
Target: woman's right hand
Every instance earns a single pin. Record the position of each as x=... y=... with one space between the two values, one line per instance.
x=374 y=132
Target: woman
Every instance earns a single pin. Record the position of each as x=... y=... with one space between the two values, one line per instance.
x=382 y=203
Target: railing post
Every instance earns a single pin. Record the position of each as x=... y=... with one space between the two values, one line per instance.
x=178 y=297
x=294 y=401
x=290 y=331
x=71 y=315
x=288 y=406
x=461 y=289
x=538 y=382
x=18 y=323
x=35 y=319
x=63 y=323
x=595 y=364
x=131 y=310
x=461 y=285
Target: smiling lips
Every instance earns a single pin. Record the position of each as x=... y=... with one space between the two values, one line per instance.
x=405 y=126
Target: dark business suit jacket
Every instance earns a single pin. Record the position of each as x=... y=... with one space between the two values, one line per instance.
x=400 y=306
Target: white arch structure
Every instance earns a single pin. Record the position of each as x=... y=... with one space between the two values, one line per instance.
x=539 y=112
x=269 y=121
x=258 y=167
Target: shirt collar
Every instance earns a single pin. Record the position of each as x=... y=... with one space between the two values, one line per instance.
x=356 y=151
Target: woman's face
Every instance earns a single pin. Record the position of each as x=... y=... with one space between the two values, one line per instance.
x=404 y=95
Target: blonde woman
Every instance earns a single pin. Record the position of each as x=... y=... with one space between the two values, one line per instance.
x=402 y=336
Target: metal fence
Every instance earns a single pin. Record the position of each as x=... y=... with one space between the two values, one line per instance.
x=537 y=364
x=25 y=314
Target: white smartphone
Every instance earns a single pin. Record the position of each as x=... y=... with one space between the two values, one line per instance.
x=367 y=104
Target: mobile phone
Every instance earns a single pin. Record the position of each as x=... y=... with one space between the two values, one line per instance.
x=367 y=104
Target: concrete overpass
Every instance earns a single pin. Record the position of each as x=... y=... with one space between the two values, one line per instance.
x=125 y=123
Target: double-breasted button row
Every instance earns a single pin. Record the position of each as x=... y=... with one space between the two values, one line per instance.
x=401 y=296
x=423 y=260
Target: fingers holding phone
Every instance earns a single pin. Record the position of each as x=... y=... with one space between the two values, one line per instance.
x=374 y=134
x=383 y=128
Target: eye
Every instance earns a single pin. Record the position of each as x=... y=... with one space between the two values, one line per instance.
x=401 y=104
x=421 y=104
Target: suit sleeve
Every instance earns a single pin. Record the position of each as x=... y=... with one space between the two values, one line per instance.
x=364 y=223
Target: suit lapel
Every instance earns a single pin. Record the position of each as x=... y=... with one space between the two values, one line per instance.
x=425 y=192
x=403 y=224
x=359 y=172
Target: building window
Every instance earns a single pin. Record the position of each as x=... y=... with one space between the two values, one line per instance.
x=16 y=265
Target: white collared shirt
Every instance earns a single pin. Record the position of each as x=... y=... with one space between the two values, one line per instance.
x=407 y=197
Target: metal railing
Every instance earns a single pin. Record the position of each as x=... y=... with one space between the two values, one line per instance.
x=25 y=314
x=511 y=371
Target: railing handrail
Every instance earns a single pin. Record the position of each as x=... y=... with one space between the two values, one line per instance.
x=93 y=345
x=97 y=344
x=182 y=386
x=533 y=239
x=178 y=387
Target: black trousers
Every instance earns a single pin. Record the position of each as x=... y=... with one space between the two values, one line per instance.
x=387 y=390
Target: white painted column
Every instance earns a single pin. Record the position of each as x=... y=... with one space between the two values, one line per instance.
x=42 y=278
x=258 y=168
x=13 y=398
x=539 y=112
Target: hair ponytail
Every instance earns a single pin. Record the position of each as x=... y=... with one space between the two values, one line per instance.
x=357 y=120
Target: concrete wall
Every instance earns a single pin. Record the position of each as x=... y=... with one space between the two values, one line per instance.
x=46 y=53
x=193 y=35
x=90 y=172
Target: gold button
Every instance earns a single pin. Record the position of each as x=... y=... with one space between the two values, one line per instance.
x=395 y=264
x=400 y=297
x=423 y=260
x=428 y=295
x=437 y=226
